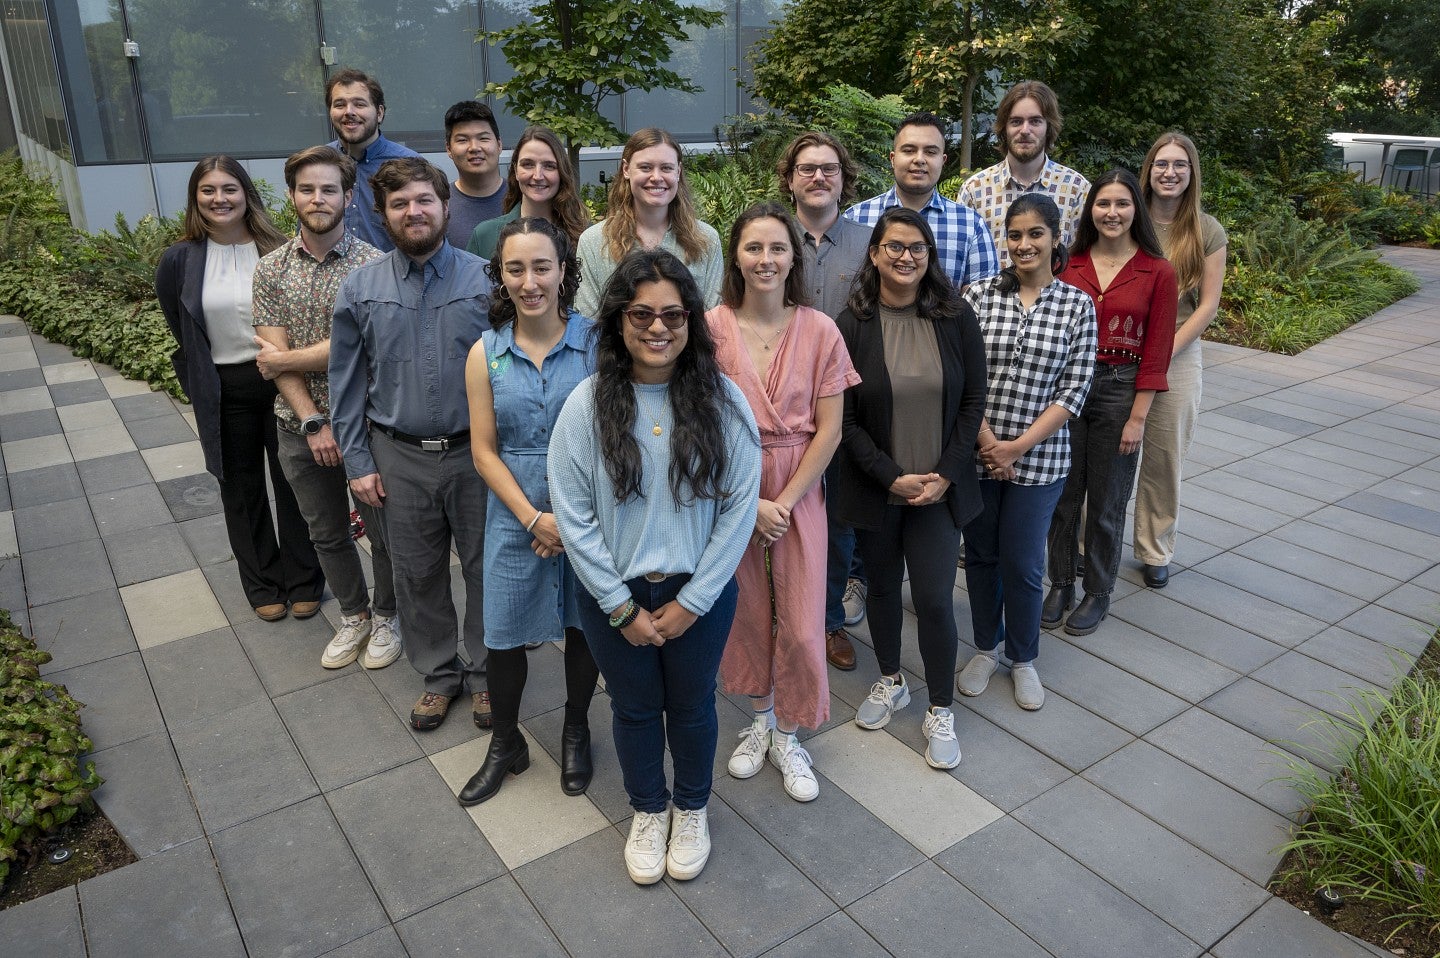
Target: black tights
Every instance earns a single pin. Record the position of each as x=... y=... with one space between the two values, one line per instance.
x=509 y=668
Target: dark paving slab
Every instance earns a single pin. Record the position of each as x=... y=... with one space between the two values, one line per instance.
x=83 y=390
x=1316 y=684
x=1240 y=608
x=286 y=654
x=67 y=571
x=134 y=408
x=132 y=911
x=140 y=555
x=500 y=907
x=1280 y=930
x=145 y=795
x=82 y=630
x=29 y=425
x=159 y=431
x=49 y=926
x=21 y=378
x=836 y=935
x=1347 y=576
x=119 y=704
x=12 y=592
x=207 y=539
x=381 y=943
x=241 y=764
x=294 y=883
x=1382 y=625
x=1161 y=663
x=1064 y=731
x=202 y=676
x=1110 y=692
x=1056 y=901
x=1421 y=545
x=1273 y=716
x=129 y=509
x=344 y=732
x=191 y=496
x=1413 y=601
x=1371 y=661
x=53 y=524
x=1229 y=754
x=108 y=473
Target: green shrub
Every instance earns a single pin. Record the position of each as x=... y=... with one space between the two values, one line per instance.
x=42 y=783
x=123 y=263
x=31 y=215
x=1374 y=828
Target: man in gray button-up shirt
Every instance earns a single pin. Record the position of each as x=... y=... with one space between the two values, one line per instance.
x=404 y=325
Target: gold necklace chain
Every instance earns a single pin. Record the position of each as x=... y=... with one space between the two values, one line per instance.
x=646 y=409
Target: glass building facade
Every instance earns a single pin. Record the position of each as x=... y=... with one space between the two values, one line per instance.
x=119 y=97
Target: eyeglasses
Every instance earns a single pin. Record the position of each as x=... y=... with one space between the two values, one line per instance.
x=643 y=317
x=810 y=169
x=895 y=250
x=1179 y=166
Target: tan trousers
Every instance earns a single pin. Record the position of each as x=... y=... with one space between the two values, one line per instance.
x=1168 y=431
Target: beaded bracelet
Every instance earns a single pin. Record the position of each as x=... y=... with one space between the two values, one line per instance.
x=531 y=526
x=629 y=612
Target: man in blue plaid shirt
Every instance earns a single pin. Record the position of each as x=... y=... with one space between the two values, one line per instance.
x=966 y=249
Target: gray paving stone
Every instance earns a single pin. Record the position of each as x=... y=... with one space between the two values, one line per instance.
x=1181 y=884
x=1347 y=576
x=1315 y=683
x=1067 y=733
x=1158 y=661
x=119 y=704
x=145 y=795
x=1287 y=502
x=381 y=943
x=1229 y=754
x=207 y=538
x=1280 y=930
x=1054 y=899
x=79 y=391
x=614 y=913
x=294 y=883
x=1243 y=609
x=1420 y=544
x=128 y=509
x=148 y=406
x=607 y=788
x=1220 y=533
x=1393 y=510
x=344 y=731
x=224 y=579
x=241 y=764
x=54 y=524
x=1348 y=458
x=1110 y=692
x=394 y=820
x=1238 y=831
x=1418 y=603
x=49 y=926
x=5 y=505
x=201 y=676
x=836 y=935
x=21 y=378
x=46 y=484
x=1390 y=628
x=749 y=916
x=1357 y=655
x=191 y=496
x=82 y=630
x=12 y=593
x=1377 y=557
x=159 y=431
x=1273 y=716
x=286 y=654
x=498 y=906
x=108 y=473
x=1299 y=592
x=67 y=571
x=132 y=911
x=1370 y=443
x=29 y=424
x=140 y=555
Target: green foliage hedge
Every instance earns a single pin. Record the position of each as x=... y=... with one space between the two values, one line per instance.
x=42 y=782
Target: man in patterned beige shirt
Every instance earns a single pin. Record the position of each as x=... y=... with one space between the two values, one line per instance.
x=1027 y=123
x=294 y=302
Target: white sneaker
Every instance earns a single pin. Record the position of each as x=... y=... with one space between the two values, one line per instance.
x=886 y=696
x=749 y=756
x=344 y=648
x=385 y=645
x=975 y=676
x=689 y=843
x=794 y=763
x=942 y=748
x=1029 y=693
x=854 y=601
x=645 y=849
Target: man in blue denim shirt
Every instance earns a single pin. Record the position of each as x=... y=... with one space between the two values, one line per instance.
x=404 y=325
x=357 y=105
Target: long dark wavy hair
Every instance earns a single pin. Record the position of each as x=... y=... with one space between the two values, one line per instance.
x=732 y=289
x=937 y=298
x=698 y=398
x=1042 y=205
x=502 y=307
x=1142 y=230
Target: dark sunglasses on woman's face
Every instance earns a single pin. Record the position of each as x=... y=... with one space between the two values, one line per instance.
x=643 y=317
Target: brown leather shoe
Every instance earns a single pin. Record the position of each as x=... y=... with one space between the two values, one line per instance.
x=480 y=706
x=839 y=651
x=429 y=712
x=271 y=613
x=304 y=610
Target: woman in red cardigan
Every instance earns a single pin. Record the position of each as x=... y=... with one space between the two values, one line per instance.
x=1118 y=261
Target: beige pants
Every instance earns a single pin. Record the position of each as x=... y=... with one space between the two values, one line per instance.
x=1168 y=431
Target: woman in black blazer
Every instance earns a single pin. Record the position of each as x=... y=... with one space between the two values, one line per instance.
x=907 y=479
x=203 y=285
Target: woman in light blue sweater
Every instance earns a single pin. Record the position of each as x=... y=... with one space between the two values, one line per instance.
x=655 y=479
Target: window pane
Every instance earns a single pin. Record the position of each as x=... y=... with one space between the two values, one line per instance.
x=241 y=77
x=32 y=61
x=90 y=40
x=708 y=60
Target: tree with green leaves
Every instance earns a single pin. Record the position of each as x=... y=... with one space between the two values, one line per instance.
x=573 y=55
x=1386 y=60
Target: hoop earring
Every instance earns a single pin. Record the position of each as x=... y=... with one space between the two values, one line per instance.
x=504 y=292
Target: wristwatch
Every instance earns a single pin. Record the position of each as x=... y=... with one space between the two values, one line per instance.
x=313 y=424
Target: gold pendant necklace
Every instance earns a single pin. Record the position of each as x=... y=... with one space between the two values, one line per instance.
x=764 y=343
x=646 y=409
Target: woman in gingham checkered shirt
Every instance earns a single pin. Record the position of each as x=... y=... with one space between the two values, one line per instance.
x=1040 y=351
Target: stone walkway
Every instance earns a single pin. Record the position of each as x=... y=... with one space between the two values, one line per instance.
x=280 y=809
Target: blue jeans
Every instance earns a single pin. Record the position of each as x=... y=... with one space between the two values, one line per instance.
x=660 y=694
x=843 y=559
x=1100 y=479
x=1005 y=565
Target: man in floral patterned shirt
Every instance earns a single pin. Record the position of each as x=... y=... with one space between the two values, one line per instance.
x=294 y=302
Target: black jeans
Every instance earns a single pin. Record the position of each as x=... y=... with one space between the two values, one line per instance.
x=1100 y=480
x=924 y=540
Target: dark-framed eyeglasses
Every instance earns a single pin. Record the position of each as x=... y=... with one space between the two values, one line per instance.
x=895 y=250
x=643 y=317
x=810 y=169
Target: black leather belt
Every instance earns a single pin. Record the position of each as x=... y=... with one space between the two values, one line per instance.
x=428 y=443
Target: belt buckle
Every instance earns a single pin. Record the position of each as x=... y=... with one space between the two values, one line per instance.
x=435 y=445
x=656 y=576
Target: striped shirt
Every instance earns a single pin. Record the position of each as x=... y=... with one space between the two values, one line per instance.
x=1036 y=357
x=967 y=252
x=991 y=191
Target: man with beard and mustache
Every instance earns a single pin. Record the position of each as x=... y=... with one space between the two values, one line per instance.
x=1027 y=124
x=357 y=106
x=403 y=327
x=294 y=298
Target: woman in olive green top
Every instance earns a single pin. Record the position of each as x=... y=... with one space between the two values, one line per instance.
x=541 y=183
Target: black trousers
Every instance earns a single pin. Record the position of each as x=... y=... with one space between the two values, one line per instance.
x=272 y=569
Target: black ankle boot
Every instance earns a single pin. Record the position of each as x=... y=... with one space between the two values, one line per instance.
x=505 y=755
x=1057 y=603
x=1088 y=614
x=576 y=767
